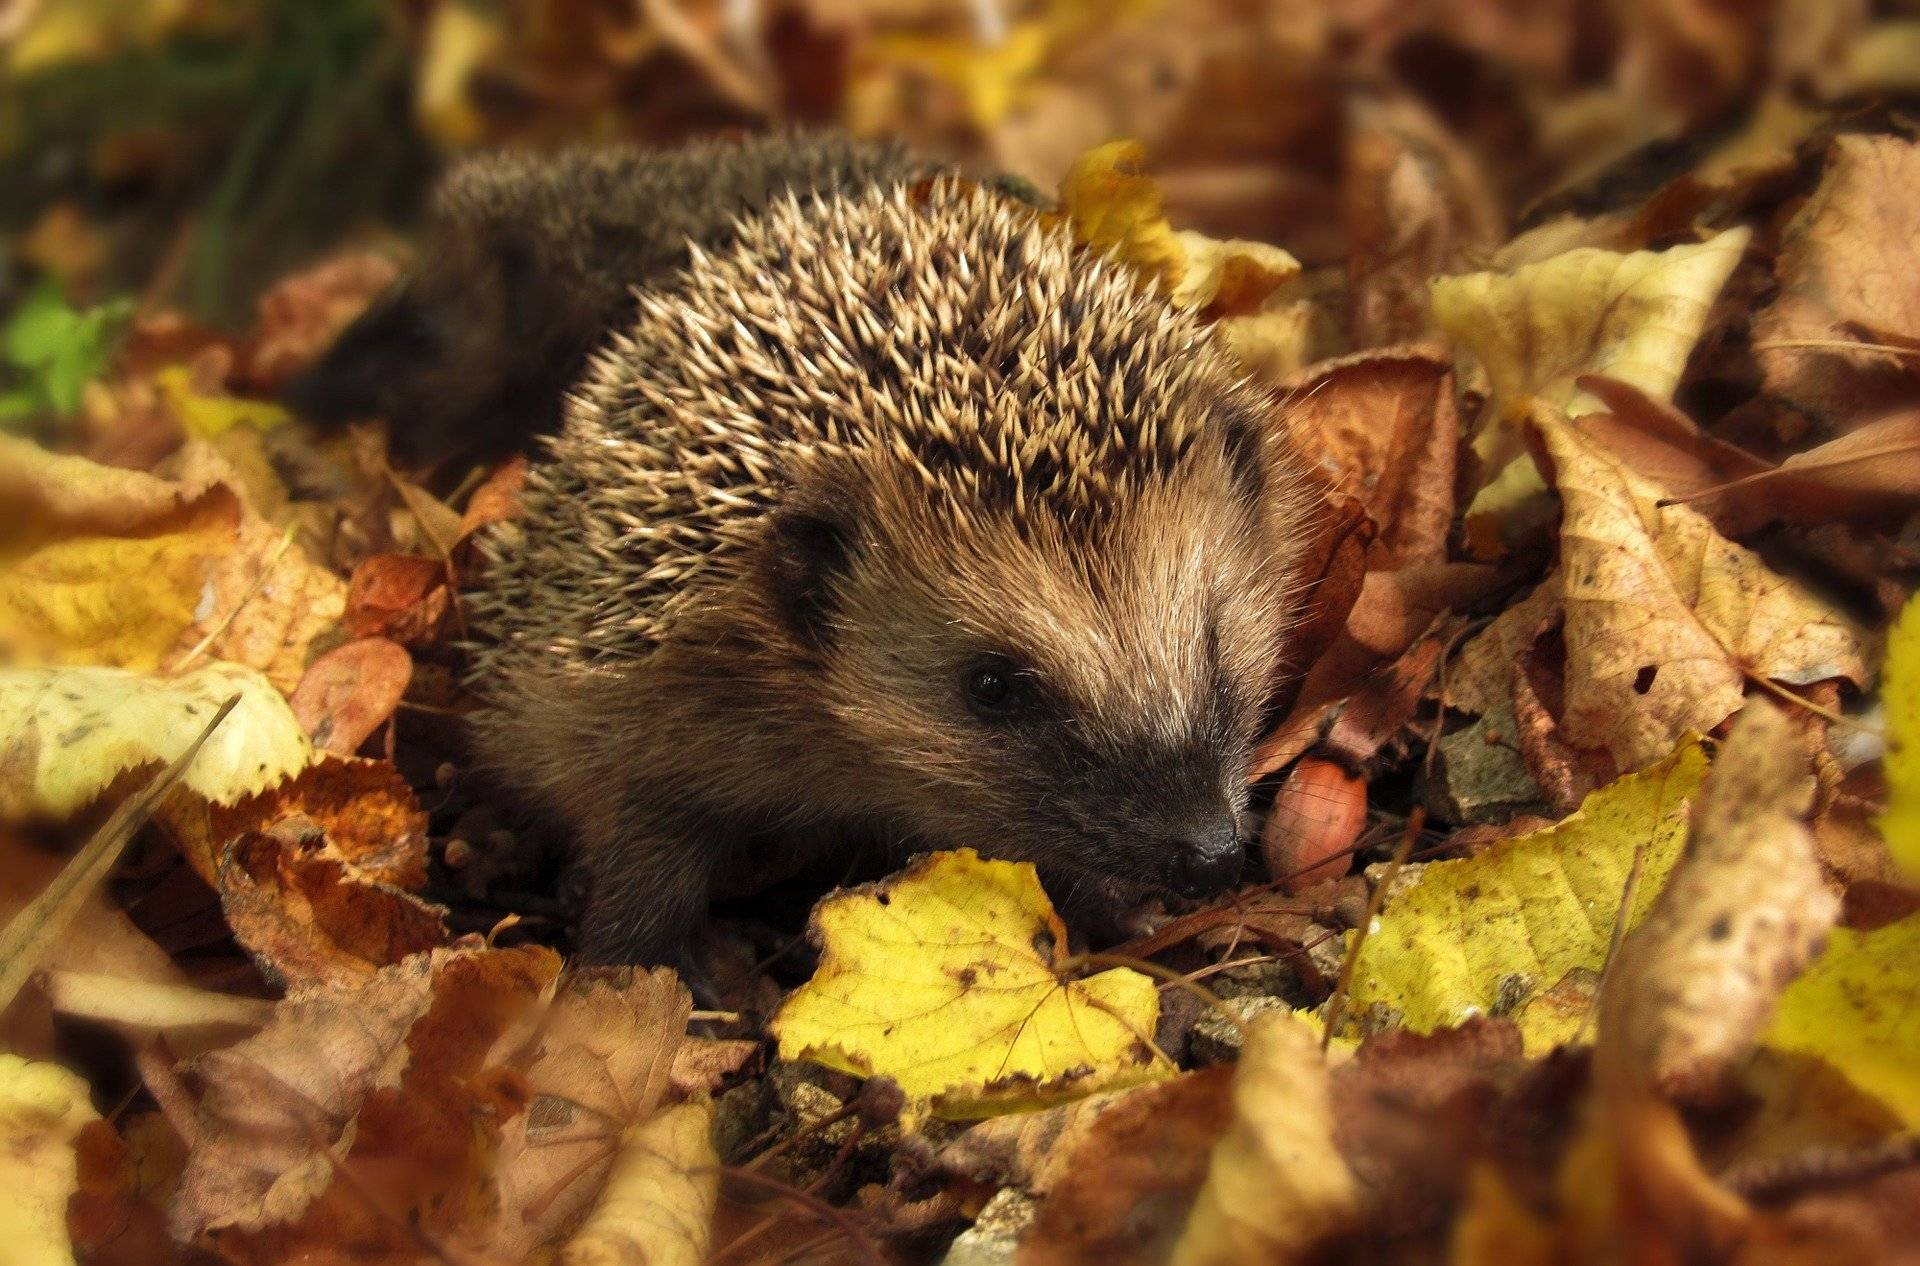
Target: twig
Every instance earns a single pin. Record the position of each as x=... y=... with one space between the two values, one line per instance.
x=1337 y=1003
x=867 y=1249
x=35 y=929
x=1787 y=696
x=1831 y=345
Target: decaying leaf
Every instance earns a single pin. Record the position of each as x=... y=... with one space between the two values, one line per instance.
x=350 y=692
x=947 y=978
x=42 y=1110
x=67 y=733
x=1844 y=284
x=1380 y=425
x=1487 y=934
x=1122 y=1192
x=1739 y=917
x=1662 y=620
x=1276 y=1184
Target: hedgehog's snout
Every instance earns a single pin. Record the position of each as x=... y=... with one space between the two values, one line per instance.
x=1207 y=856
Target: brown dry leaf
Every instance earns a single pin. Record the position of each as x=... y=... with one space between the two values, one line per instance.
x=600 y=1062
x=1846 y=280
x=1381 y=426
x=316 y=873
x=1662 y=619
x=657 y=1208
x=1656 y=439
x=1870 y=472
x=350 y=691
x=1333 y=572
x=1746 y=909
x=496 y=500
x=398 y=596
x=361 y=1116
x=1276 y=1184
x=1124 y=1189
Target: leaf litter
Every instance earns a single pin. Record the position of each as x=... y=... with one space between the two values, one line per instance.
x=1602 y=356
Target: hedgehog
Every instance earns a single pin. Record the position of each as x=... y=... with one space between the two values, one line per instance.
x=892 y=520
x=529 y=260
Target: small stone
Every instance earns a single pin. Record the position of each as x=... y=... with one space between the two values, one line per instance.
x=994 y=1237
x=1215 y=1038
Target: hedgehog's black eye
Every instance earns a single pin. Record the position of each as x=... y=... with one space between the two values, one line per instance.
x=994 y=685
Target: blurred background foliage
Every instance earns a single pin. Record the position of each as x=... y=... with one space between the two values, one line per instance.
x=188 y=153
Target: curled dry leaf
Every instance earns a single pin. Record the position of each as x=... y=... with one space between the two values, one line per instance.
x=1489 y=934
x=1737 y=920
x=43 y=1108
x=1845 y=282
x=657 y=1207
x=349 y=692
x=1122 y=1193
x=399 y=596
x=1662 y=619
x=1380 y=426
x=388 y=1079
x=67 y=733
x=948 y=979
x=496 y=500
x=1276 y=1183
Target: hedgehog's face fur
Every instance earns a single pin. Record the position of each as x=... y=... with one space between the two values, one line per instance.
x=1077 y=691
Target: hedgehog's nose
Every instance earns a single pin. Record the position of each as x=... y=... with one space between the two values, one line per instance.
x=1208 y=857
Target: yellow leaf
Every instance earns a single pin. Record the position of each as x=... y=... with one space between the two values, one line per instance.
x=42 y=1109
x=1632 y=317
x=1276 y=1184
x=1854 y=1008
x=124 y=569
x=947 y=978
x=1900 y=694
x=1115 y=207
x=459 y=39
x=657 y=1206
x=1484 y=934
x=67 y=733
x=207 y=416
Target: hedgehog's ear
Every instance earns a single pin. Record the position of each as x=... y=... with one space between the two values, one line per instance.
x=810 y=543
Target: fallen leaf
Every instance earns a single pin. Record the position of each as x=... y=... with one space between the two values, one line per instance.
x=947 y=978
x=1843 y=284
x=398 y=596
x=1853 y=1008
x=1662 y=620
x=496 y=500
x=1115 y=208
x=1870 y=472
x=1126 y=1185
x=1632 y=317
x=600 y=1062
x=1486 y=934
x=206 y=414
x=349 y=692
x=122 y=569
x=1740 y=916
x=1654 y=438
x=43 y=1108
x=389 y=1078
x=1900 y=696
x=657 y=1208
x=1380 y=425
x=67 y=733
x=1276 y=1184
